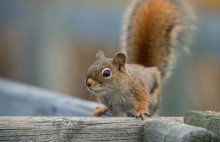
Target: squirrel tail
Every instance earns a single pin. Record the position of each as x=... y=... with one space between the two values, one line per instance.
x=154 y=30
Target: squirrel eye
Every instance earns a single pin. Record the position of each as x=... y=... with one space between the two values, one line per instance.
x=106 y=72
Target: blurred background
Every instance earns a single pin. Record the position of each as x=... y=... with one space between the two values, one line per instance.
x=51 y=44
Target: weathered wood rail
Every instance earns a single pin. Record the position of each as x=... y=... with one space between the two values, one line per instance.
x=208 y=120
x=101 y=129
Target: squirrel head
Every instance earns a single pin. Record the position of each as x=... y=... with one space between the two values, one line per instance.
x=106 y=74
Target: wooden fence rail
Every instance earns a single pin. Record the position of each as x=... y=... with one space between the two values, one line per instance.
x=208 y=120
x=101 y=129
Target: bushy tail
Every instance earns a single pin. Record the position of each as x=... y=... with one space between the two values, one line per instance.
x=154 y=30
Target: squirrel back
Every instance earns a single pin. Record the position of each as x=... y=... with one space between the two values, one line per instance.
x=154 y=30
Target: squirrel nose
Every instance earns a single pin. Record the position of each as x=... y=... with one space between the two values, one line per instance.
x=89 y=82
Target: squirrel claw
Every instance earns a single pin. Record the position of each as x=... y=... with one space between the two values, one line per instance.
x=148 y=114
x=137 y=115
x=140 y=114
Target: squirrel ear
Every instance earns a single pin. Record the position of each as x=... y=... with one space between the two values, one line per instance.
x=119 y=59
x=100 y=55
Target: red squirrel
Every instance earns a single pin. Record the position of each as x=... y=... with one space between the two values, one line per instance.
x=130 y=83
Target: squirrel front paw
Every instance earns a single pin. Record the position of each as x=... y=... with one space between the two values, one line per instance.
x=100 y=110
x=138 y=114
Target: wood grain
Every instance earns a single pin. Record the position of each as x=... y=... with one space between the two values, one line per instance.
x=70 y=129
x=208 y=120
x=170 y=131
x=92 y=129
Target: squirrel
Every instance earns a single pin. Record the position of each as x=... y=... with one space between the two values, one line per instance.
x=130 y=83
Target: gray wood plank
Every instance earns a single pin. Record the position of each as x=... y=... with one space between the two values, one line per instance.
x=100 y=129
x=170 y=131
x=208 y=120
x=73 y=129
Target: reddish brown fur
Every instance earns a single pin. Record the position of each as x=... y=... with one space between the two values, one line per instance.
x=142 y=97
x=155 y=96
x=154 y=29
x=151 y=35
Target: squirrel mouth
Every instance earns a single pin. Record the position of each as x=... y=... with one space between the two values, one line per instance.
x=95 y=91
x=99 y=91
